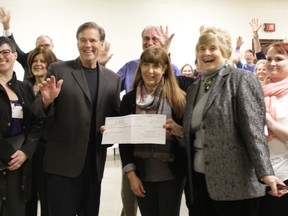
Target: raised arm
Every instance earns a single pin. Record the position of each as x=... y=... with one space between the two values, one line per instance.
x=237 y=55
x=5 y=18
x=255 y=27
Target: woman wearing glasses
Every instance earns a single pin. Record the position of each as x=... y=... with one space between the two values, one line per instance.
x=19 y=131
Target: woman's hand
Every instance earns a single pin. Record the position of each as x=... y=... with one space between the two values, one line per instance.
x=102 y=129
x=277 y=186
x=18 y=158
x=173 y=128
x=136 y=184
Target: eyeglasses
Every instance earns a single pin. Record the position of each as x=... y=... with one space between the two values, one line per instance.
x=45 y=45
x=5 y=52
x=147 y=38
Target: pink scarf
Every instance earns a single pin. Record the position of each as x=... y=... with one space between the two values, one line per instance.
x=272 y=92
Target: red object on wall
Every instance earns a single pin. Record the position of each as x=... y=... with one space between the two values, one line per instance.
x=269 y=27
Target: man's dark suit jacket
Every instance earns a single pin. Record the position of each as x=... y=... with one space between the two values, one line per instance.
x=68 y=135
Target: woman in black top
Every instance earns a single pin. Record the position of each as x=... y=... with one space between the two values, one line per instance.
x=156 y=172
x=17 y=125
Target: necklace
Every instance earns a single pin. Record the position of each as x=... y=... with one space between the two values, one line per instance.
x=207 y=83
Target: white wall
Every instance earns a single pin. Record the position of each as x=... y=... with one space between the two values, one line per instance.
x=124 y=20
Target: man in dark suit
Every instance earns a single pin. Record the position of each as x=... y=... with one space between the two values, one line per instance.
x=78 y=94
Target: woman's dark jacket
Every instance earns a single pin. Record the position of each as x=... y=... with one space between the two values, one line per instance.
x=178 y=166
x=31 y=128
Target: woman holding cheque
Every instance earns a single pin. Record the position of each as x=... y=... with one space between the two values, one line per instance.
x=156 y=172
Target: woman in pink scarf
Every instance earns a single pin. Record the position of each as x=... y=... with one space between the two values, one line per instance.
x=276 y=101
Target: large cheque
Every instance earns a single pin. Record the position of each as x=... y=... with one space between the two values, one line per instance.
x=135 y=129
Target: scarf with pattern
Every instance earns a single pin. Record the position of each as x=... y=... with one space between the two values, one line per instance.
x=153 y=103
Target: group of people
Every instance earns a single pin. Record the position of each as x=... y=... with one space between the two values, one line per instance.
x=226 y=132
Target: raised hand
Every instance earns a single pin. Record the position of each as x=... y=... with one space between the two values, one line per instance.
x=239 y=42
x=255 y=25
x=164 y=37
x=50 y=90
x=201 y=29
x=104 y=56
x=5 y=18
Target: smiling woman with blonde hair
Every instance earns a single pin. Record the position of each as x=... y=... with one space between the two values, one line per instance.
x=224 y=121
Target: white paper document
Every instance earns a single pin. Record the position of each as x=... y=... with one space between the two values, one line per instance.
x=135 y=129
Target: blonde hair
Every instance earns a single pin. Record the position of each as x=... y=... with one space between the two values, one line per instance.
x=219 y=35
x=171 y=90
x=259 y=62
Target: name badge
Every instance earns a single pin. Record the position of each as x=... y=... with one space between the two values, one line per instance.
x=17 y=111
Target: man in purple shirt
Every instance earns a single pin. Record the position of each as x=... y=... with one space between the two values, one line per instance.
x=151 y=36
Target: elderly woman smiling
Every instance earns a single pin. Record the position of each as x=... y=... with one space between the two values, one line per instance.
x=224 y=123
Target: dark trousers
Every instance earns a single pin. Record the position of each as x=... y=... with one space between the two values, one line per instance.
x=270 y=205
x=203 y=205
x=14 y=203
x=162 y=198
x=74 y=196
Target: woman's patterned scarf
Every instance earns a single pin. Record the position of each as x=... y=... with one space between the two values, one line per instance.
x=153 y=103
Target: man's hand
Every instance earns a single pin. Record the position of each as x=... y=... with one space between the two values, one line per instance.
x=254 y=26
x=164 y=38
x=50 y=90
x=104 y=56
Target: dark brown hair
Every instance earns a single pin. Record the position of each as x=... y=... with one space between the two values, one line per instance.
x=171 y=90
x=91 y=25
x=48 y=54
